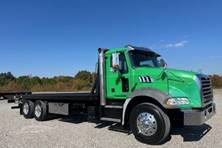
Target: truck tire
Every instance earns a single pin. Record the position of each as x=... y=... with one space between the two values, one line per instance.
x=27 y=109
x=149 y=124
x=40 y=111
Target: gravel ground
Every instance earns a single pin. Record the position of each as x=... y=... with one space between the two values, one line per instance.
x=15 y=131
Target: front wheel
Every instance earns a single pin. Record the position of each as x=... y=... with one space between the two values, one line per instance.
x=149 y=123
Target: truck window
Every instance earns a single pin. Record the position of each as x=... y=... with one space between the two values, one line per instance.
x=143 y=59
x=123 y=65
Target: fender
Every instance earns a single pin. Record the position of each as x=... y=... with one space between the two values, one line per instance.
x=156 y=94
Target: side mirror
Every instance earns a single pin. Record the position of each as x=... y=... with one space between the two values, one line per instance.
x=163 y=63
x=115 y=61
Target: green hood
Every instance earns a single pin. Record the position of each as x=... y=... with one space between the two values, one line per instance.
x=180 y=74
x=183 y=84
x=175 y=83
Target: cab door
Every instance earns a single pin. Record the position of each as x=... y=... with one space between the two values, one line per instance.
x=117 y=79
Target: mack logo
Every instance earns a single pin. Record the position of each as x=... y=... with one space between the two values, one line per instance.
x=145 y=79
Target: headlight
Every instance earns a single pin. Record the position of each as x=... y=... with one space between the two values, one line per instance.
x=177 y=101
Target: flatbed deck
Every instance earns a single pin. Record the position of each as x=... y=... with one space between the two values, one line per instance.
x=82 y=96
x=62 y=96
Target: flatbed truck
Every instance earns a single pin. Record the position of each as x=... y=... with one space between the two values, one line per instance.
x=136 y=89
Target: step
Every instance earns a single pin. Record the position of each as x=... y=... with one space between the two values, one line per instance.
x=118 y=128
x=114 y=106
x=110 y=119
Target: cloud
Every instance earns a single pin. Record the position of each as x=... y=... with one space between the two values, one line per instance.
x=180 y=44
x=176 y=45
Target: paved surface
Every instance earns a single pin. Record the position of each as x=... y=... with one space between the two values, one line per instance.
x=15 y=131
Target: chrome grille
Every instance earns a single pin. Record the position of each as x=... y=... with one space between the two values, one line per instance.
x=206 y=89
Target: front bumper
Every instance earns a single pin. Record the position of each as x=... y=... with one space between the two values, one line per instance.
x=198 y=117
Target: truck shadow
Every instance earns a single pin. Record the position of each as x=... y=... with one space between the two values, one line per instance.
x=192 y=133
x=77 y=119
x=189 y=133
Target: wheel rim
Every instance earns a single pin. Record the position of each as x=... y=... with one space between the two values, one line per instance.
x=38 y=110
x=26 y=108
x=146 y=124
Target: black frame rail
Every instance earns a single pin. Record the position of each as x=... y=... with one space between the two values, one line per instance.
x=12 y=96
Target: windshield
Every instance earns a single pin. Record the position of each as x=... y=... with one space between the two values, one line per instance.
x=143 y=59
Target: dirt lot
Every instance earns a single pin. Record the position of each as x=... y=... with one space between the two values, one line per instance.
x=15 y=131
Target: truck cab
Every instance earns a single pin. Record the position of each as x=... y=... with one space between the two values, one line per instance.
x=129 y=70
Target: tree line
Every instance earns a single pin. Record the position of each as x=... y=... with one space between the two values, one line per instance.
x=216 y=80
x=82 y=81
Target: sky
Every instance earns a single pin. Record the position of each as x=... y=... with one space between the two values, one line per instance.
x=55 y=37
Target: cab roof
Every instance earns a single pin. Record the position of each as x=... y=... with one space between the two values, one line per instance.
x=131 y=47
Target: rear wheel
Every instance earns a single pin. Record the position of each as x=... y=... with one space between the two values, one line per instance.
x=27 y=109
x=149 y=124
x=40 y=111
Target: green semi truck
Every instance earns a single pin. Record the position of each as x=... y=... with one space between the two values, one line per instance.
x=136 y=89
